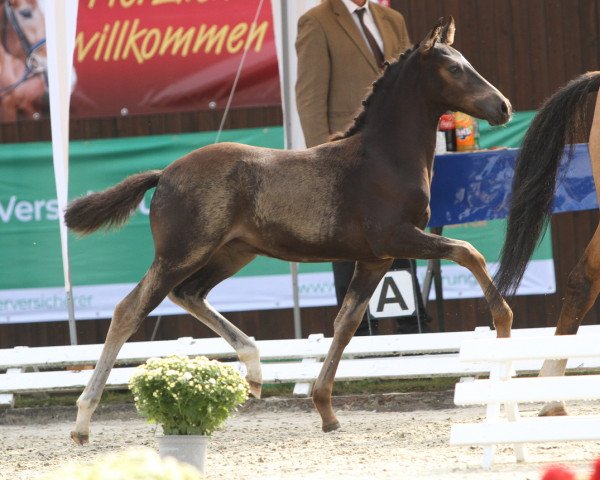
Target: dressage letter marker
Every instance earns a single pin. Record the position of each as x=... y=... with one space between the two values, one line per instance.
x=394 y=296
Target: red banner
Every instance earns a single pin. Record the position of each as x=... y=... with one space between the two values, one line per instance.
x=152 y=56
x=147 y=56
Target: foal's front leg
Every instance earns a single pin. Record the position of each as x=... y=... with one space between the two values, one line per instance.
x=419 y=244
x=468 y=256
x=365 y=279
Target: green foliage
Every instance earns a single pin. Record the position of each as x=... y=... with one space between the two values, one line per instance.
x=187 y=396
x=133 y=464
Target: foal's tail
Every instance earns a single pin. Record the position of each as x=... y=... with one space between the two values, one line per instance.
x=112 y=207
x=555 y=125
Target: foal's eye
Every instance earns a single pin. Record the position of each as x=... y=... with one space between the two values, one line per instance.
x=26 y=13
x=454 y=69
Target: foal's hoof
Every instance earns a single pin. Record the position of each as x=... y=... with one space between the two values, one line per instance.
x=556 y=409
x=80 y=439
x=330 y=427
x=255 y=388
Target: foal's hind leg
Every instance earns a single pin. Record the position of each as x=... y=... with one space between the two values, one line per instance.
x=583 y=287
x=128 y=315
x=191 y=295
x=363 y=283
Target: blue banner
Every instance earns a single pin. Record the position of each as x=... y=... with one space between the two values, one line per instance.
x=476 y=186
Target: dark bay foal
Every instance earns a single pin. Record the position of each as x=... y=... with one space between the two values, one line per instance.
x=362 y=197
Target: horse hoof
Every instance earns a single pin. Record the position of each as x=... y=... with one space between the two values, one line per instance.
x=330 y=427
x=80 y=439
x=553 y=410
x=255 y=388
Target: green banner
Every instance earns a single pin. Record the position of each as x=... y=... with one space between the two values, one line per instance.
x=509 y=135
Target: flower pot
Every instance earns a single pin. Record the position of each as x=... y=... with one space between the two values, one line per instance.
x=190 y=449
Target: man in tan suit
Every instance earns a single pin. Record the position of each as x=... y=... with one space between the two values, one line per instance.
x=336 y=64
x=341 y=47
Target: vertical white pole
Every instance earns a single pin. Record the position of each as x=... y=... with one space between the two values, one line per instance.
x=285 y=18
x=61 y=21
x=284 y=62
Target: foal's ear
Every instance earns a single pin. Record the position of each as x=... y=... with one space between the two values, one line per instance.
x=433 y=36
x=447 y=35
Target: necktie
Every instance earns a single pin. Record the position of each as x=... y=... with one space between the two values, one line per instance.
x=370 y=39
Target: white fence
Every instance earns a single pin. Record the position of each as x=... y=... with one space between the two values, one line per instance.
x=284 y=361
x=506 y=357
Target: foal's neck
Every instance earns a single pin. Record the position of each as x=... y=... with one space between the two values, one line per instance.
x=402 y=126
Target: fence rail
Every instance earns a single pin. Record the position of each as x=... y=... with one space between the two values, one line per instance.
x=504 y=359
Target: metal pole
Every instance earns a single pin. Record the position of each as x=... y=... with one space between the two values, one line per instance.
x=156 y=325
x=295 y=289
x=439 y=295
x=439 y=291
x=426 y=289
x=71 y=310
x=285 y=80
x=236 y=79
x=413 y=276
x=285 y=73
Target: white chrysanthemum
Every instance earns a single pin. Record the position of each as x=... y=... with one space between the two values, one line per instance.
x=201 y=393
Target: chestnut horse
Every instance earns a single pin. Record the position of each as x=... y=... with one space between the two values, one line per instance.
x=23 y=31
x=22 y=59
x=19 y=89
x=362 y=197
x=556 y=124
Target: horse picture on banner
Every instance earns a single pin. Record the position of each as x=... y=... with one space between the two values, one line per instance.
x=23 y=82
x=364 y=197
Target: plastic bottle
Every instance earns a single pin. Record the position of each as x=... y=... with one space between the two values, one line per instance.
x=447 y=126
x=466 y=131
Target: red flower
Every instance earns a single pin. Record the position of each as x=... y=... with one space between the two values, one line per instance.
x=559 y=472
x=596 y=474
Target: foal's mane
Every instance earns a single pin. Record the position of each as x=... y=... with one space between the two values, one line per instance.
x=385 y=80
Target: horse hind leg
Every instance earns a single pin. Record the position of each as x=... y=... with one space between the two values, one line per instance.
x=365 y=279
x=583 y=284
x=191 y=295
x=582 y=290
x=127 y=317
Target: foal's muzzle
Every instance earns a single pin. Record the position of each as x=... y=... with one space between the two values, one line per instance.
x=498 y=111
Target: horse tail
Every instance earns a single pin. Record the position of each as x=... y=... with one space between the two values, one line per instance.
x=112 y=207
x=534 y=183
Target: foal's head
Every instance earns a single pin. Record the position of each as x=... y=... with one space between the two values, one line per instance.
x=451 y=81
x=436 y=73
